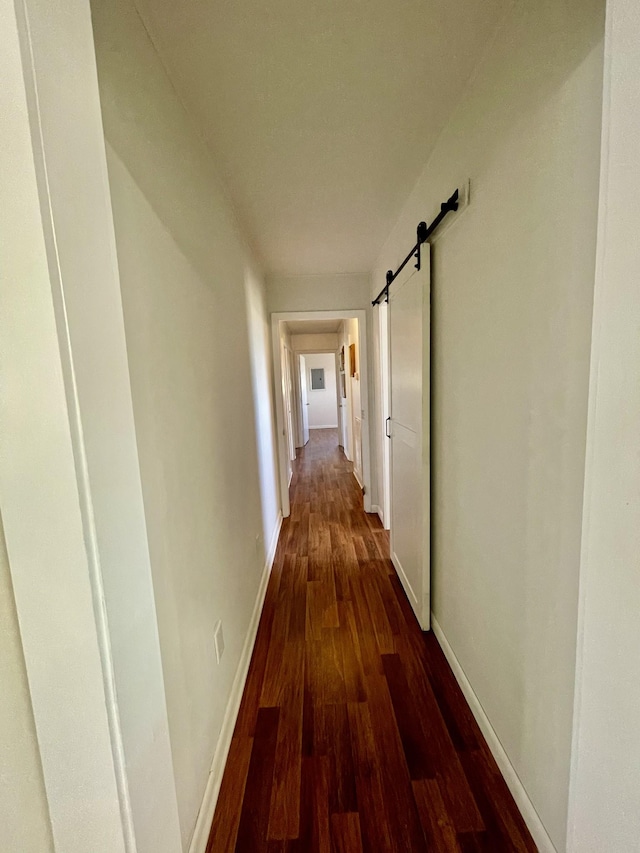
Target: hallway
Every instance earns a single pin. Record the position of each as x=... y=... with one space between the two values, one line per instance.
x=352 y=733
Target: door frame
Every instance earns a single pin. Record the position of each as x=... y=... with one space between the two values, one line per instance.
x=316 y=351
x=288 y=391
x=300 y=357
x=282 y=317
x=71 y=495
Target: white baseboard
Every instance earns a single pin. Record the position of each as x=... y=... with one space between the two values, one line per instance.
x=325 y=426
x=207 y=808
x=527 y=809
x=378 y=509
x=358 y=480
x=404 y=580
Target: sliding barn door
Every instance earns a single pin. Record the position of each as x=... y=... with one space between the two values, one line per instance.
x=409 y=331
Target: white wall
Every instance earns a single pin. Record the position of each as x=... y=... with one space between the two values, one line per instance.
x=512 y=299
x=322 y=406
x=25 y=825
x=344 y=418
x=318 y=292
x=191 y=297
x=262 y=381
x=605 y=810
x=353 y=449
x=319 y=342
x=345 y=402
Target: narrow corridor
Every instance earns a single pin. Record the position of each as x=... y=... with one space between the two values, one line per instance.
x=352 y=734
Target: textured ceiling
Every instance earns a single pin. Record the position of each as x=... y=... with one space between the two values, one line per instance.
x=321 y=114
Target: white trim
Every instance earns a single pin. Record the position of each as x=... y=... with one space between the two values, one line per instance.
x=404 y=580
x=526 y=807
x=204 y=820
x=375 y=508
x=357 y=476
x=325 y=426
x=284 y=472
x=603 y=780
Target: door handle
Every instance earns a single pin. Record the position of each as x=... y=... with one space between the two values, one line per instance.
x=386 y=427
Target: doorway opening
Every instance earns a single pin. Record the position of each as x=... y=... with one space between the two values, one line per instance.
x=321 y=381
x=318 y=372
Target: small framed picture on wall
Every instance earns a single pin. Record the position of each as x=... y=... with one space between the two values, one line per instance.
x=352 y=360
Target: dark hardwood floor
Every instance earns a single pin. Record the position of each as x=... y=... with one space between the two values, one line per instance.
x=353 y=734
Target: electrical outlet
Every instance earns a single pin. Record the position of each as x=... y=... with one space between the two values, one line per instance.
x=218 y=639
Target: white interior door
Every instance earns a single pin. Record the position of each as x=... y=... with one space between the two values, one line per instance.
x=385 y=369
x=409 y=329
x=304 y=397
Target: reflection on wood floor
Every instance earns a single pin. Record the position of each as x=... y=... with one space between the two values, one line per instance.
x=353 y=734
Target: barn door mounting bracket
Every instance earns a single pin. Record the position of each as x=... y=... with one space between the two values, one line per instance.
x=423 y=232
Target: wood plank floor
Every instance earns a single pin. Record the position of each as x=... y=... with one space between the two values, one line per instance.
x=352 y=734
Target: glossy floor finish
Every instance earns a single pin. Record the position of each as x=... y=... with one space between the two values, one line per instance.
x=353 y=734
